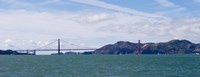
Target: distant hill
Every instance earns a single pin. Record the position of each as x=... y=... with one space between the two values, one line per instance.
x=11 y=52
x=7 y=52
x=171 y=47
x=120 y=47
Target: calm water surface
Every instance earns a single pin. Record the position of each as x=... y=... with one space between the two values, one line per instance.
x=100 y=66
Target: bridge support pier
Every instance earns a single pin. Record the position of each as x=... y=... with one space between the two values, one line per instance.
x=34 y=52
x=139 y=48
x=59 y=47
x=26 y=51
x=138 y=51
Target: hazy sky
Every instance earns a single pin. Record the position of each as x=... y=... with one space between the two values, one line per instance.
x=26 y=23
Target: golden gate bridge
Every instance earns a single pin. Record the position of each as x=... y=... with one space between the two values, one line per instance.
x=59 y=49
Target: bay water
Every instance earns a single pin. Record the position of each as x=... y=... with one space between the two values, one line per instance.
x=100 y=66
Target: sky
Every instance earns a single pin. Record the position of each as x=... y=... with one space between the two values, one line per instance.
x=94 y=23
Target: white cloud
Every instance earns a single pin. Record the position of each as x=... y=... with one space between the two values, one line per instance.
x=168 y=3
x=138 y=27
x=120 y=26
x=174 y=11
x=30 y=5
x=165 y=3
x=197 y=0
x=60 y=25
x=105 y=5
x=45 y=25
x=98 y=17
x=21 y=44
x=16 y=3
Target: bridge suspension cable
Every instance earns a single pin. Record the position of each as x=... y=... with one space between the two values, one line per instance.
x=55 y=41
x=79 y=46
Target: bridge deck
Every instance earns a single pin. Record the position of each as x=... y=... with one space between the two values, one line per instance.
x=52 y=49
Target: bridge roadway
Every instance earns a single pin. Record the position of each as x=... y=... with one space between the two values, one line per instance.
x=53 y=49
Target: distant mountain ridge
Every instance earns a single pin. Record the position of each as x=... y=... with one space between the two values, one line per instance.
x=170 y=47
x=120 y=47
